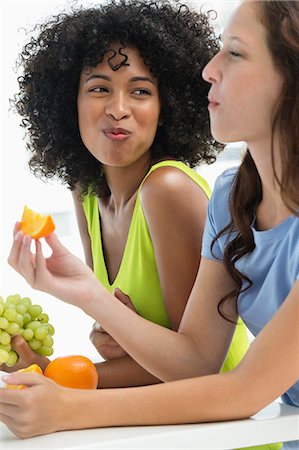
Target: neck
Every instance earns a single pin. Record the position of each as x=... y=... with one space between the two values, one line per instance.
x=124 y=182
x=272 y=209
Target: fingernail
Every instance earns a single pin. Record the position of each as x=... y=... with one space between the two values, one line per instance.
x=26 y=239
x=18 y=236
x=7 y=378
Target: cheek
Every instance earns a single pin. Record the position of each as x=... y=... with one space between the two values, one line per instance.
x=149 y=117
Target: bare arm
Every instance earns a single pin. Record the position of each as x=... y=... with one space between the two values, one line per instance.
x=221 y=396
x=202 y=399
x=183 y=354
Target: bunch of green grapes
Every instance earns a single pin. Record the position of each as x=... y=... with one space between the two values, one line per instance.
x=19 y=316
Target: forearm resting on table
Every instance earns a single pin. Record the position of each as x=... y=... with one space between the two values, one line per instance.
x=123 y=372
x=205 y=399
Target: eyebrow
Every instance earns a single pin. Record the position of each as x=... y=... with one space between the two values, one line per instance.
x=131 y=80
x=234 y=38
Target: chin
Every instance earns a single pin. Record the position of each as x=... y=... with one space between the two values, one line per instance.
x=224 y=137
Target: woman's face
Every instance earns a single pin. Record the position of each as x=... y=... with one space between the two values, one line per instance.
x=118 y=111
x=245 y=83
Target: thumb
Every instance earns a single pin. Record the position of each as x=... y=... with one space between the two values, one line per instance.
x=55 y=244
x=124 y=298
x=21 y=347
x=23 y=379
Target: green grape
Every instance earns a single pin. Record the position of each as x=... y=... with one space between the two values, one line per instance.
x=48 y=341
x=12 y=299
x=26 y=318
x=4 y=355
x=40 y=333
x=5 y=338
x=19 y=316
x=10 y=314
x=21 y=309
x=26 y=301
x=12 y=359
x=28 y=334
x=35 y=311
x=13 y=328
x=34 y=344
x=7 y=347
x=34 y=325
x=3 y=323
x=19 y=320
x=43 y=318
x=46 y=351
x=51 y=330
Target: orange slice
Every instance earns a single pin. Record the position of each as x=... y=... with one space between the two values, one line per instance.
x=32 y=368
x=36 y=225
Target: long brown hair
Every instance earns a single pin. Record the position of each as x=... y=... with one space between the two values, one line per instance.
x=281 y=19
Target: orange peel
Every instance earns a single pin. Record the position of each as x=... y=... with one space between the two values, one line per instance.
x=36 y=225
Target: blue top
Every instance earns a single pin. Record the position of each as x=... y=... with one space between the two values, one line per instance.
x=273 y=265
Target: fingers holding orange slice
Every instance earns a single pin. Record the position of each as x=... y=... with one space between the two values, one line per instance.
x=33 y=368
x=36 y=225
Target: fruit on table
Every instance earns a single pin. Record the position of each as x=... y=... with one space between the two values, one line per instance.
x=19 y=316
x=73 y=371
x=32 y=368
x=36 y=225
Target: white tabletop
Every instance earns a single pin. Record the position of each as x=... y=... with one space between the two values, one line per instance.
x=277 y=422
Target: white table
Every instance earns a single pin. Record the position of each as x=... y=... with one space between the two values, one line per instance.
x=277 y=422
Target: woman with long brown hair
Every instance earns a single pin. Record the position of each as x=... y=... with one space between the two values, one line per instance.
x=250 y=259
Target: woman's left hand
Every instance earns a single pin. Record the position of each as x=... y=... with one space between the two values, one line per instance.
x=39 y=409
x=107 y=347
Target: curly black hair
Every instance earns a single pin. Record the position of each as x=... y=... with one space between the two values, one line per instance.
x=175 y=43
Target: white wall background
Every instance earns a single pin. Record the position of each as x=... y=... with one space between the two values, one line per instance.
x=18 y=186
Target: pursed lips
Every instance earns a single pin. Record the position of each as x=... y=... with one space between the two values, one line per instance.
x=116 y=133
x=212 y=102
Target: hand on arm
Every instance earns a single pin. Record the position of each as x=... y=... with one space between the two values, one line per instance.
x=107 y=347
x=119 y=369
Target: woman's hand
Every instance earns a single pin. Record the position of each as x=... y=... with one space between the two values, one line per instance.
x=107 y=347
x=62 y=275
x=26 y=356
x=39 y=409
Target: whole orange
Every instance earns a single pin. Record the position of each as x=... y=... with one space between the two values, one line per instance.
x=73 y=371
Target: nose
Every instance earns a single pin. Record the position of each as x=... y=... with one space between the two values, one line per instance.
x=210 y=72
x=118 y=107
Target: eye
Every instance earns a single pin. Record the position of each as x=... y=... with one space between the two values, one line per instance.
x=235 y=54
x=141 y=92
x=99 y=89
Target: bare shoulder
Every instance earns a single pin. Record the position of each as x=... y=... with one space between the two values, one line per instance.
x=169 y=185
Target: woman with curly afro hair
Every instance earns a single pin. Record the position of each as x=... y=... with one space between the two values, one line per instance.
x=115 y=106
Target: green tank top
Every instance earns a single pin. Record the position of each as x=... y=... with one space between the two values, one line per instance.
x=138 y=274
